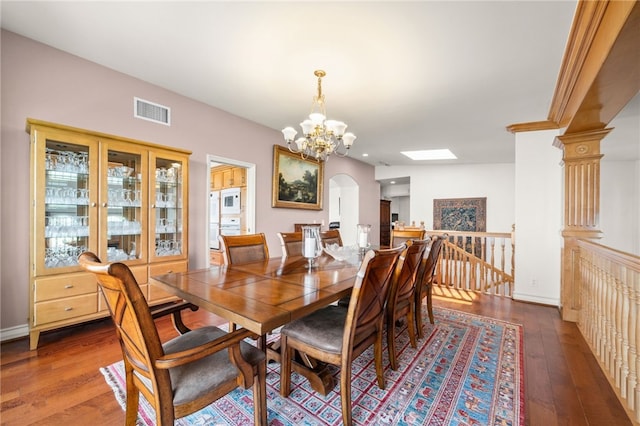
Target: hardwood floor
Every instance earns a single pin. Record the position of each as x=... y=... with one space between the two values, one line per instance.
x=59 y=383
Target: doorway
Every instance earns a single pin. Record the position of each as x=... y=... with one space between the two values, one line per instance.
x=219 y=219
x=344 y=206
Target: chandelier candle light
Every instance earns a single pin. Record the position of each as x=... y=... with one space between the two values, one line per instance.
x=322 y=137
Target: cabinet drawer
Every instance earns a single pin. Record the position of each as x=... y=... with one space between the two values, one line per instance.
x=63 y=309
x=64 y=286
x=167 y=268
x=140 y=272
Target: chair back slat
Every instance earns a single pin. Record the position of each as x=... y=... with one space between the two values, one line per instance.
x=291 y=243
x=331 y=236
x=246 y=248
x=401 y=236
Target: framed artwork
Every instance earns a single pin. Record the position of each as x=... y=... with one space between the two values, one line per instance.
x=461 y=214
x=297 y=182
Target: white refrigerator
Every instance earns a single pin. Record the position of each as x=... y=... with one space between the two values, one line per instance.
x=214 y=219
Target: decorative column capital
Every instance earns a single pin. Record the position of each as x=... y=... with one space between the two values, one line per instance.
x=581 y=146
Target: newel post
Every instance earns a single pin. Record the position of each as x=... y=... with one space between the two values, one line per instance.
x=581 y=162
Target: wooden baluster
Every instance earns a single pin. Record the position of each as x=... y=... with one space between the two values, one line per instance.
x=624 y=317
x=602 y=303
x=634 y=344
x=617 y=329
x=611 y=334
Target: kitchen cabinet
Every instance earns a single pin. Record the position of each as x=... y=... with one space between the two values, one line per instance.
x=238 y=176
x=122 y=199
x=223 y=177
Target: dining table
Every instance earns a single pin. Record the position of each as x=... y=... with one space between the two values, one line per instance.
x=265 y=295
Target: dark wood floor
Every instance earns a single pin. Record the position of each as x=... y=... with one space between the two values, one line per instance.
x=59 y=383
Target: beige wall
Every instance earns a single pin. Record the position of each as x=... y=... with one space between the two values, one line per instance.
x=47 y=84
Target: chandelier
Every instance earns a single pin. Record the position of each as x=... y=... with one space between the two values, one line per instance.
x=322 y=137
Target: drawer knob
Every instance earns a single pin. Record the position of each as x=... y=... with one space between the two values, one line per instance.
x=68 y=286
x=68 y=309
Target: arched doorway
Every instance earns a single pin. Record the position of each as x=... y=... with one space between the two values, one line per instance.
x=344 y=206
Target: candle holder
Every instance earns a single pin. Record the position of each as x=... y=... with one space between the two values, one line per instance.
x=311 y=243
x=364 y=231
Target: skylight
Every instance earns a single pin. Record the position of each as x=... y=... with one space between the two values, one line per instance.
x=430 y=154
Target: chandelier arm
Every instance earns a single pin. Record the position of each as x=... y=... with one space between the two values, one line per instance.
x=346 y=153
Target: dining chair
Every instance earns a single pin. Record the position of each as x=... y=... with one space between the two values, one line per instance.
x=291 y=243
x=330 y=236
x=424 y=280
x=243 y=248
x=338 y=335
x=184 y=374
x=399 y=236
x=401 y=300
x=246 y=248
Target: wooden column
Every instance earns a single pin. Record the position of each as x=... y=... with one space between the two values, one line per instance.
x=581 y=161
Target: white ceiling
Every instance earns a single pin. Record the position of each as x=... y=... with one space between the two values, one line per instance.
x=402 y=75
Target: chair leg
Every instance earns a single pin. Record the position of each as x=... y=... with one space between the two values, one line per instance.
x=285 y=366
x=133 y=395
x=260 y=396
x=345 y=394
x=430 y=304
x=391 y=341
x=418 y=312
x=377 y=356
x=411 y=324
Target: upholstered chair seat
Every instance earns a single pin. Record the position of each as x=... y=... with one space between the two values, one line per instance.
x=194 y=380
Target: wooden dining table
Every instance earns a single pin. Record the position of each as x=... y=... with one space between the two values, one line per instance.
x=262 y=296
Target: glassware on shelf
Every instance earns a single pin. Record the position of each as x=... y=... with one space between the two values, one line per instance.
x=168 y=247
x=66 y=226
x=66 y=161
x=117 y=225
x=62 y=255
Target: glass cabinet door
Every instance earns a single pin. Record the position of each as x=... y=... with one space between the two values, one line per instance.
x=167 y=212
x=65 y=220
x=123 y=213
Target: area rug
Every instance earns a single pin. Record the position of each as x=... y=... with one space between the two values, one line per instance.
x=467 y=370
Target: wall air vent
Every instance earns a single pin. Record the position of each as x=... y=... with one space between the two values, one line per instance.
x=151 y=111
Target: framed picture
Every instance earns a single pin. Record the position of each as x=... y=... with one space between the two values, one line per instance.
x=297 y=183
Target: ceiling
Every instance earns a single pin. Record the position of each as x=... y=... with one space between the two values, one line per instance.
x=402 y=75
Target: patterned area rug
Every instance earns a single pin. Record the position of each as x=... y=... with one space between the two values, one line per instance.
x=468 y=370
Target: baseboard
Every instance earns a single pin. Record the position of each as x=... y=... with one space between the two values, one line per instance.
x=522 y=297
x=14 y=332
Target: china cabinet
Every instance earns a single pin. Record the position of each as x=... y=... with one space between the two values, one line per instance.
x=123 y=199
